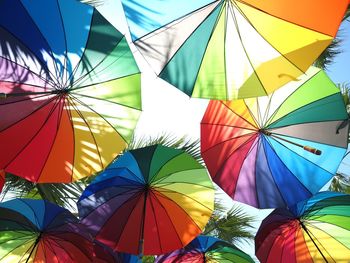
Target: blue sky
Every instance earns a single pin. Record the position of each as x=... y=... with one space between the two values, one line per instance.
x=339 y=71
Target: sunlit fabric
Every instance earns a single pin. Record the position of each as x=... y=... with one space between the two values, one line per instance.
x=38 y=231
x=276 y=150
x=149 y=201
x=206 y=249
x=315 y=230
x=69 y=90
x=229 y=49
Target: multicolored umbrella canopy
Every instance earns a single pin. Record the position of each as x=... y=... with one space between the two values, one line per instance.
x=316 y=230
x=70 y=90
x=229 y=49
x=206 y=249
x=277 y=150
x=149 y=201
x=104 y=254
x=39 y=231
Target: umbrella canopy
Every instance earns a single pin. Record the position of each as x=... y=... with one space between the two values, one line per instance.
x=206 y=249
x=39 y=231
x=70 y=90
x=149 y=201
x=104 y=254
x=316 y=230
x=277 y=150
x=228 y=49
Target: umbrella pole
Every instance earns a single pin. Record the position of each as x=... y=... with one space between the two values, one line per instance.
x=305 y=147
x=141 y=244
x=35 y=244
x=307 y=232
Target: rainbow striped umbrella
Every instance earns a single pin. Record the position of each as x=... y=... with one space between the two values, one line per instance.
x=206 y=249
x=228 y=49
x=315 y=230
x=69 y=90
x=38 y=231
x=277 y=150
x=149 y=201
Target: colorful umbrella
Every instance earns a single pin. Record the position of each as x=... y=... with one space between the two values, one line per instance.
x=206 y=249
x=70 y=90
x=316 y=230
x=149 y=201
x=39 y=231
x=104 y=254
x=228 y=49
x=277 y=150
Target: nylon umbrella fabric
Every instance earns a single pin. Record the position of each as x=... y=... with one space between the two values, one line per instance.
x=38 y=231
x=206 y=249
x=277 y=150
x=104 y=254
x=70 y=90
x=149 y=201
x=315 y=230
x=231 y=49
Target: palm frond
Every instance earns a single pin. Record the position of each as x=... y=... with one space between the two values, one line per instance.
x=65 y=195
x=340 y=183
x=234 y=226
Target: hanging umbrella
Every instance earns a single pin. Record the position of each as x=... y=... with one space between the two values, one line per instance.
x=206 y=249
x=316 y=230
x=149 y=201
x=104 y=254
x=276 y=150
x=228 y=49
x=39 y=231
x=2 y=179
x=70 y=90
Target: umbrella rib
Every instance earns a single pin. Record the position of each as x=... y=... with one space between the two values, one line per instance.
x=207 y=44
x=313 y=241
x=299 y=156
x=263 y=11
x=101 y=99
x=160 y=190
x=39 y=108
x=156 y=221
x=90 y=108
x=305 y=110
x=44 y=38
x=169 y=217
x=239 y=115
x=71 y=74
x=269 y=123
x=161 y=167
x=282 y=55
x=230 y=126
x=65 y=43
x=92 y=134
x=245 y=51
x=146 y=36
x=110 y=65
x=40 y=128
x=166 y=64
x=256 y=121
x=329 y=234
x=126 y=168
x=40 y=95
x=301 y=184
x=54 y=139
x=99 y=63
x=230 y=139
x=48 y=81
